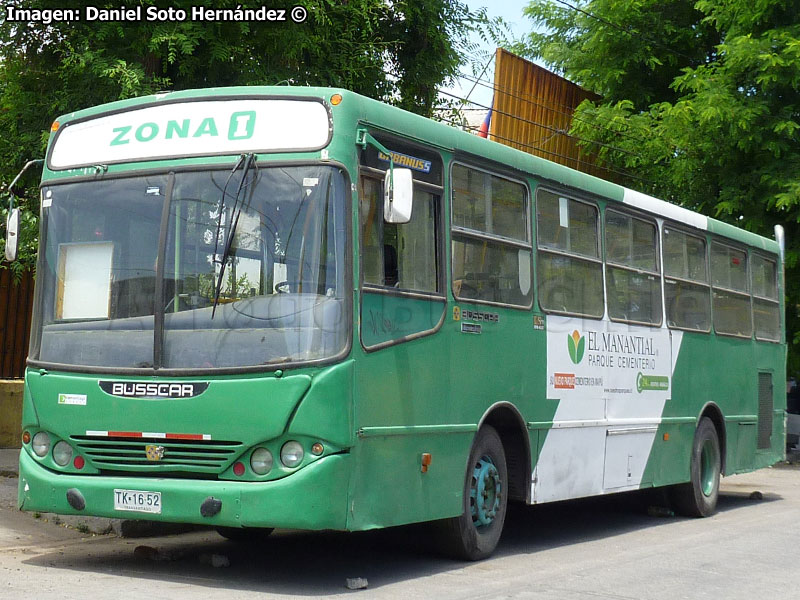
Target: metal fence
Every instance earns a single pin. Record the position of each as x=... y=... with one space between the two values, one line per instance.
x=16 y=303
x=533 y=111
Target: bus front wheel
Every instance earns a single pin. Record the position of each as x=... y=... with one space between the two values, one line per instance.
x=698 y=497
x=474 y=534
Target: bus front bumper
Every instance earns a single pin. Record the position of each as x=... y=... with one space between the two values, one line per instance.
x=314 y=497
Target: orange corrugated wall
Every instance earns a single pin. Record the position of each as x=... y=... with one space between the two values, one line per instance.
x=533 y=111
x=16 y=305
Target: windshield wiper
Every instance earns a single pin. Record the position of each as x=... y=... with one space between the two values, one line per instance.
x=246 y=162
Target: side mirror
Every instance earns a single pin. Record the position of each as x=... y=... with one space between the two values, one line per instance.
x=12 y=222
x=398 y=194
x=12 y=234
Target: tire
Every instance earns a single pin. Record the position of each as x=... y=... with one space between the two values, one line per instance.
x=698 y=497
x=245 y=535
x=475 y=533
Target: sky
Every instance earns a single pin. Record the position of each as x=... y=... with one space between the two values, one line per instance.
x=511 y=12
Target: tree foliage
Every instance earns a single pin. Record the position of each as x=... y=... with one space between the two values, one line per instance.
x=701 y=100
x=644 y=44
x=399 y=52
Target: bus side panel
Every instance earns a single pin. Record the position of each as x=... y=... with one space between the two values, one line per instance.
x=610 y=382
x=692 y=370
x=428 y=396
x=703 y=375
x=401 y=391
x=771 y=358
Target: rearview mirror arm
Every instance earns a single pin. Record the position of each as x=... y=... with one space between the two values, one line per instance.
x=10 y=188
x=364 y=139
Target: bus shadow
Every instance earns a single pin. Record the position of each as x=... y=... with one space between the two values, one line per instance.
x=318 y=564
x=531 y=529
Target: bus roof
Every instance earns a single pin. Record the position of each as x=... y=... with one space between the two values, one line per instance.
x=392 y=119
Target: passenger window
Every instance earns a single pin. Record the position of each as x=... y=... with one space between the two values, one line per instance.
x=401 y=256
x=730 y=295
x=567 y=225
x=728 y=268
x=633 y=281
x=766 y=307
x=491 y=249
x=686 y=290
x=490 y=204
x=570 y=274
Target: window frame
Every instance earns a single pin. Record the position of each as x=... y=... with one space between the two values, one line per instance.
x=575 y=256
x=746 y=294
x=436 y=191
x=457 y=231
x=776 y=301
x=658 y=273
x=35 y=344
x=707 y=284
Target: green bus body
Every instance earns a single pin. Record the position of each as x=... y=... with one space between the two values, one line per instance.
x=418 y=372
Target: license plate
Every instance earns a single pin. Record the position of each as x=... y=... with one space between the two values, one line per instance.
x=137 y=501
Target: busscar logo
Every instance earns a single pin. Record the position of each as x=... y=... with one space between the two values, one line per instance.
x=164 y=389
x=576 y=345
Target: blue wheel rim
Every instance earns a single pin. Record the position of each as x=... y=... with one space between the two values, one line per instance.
x=485 y=493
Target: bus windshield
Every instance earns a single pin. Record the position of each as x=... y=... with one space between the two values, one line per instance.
x=104 y=302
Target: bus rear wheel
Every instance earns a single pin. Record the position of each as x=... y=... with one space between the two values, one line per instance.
x=698 y=497
x=475 y=533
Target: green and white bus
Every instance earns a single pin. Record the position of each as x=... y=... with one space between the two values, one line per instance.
x=301 y=308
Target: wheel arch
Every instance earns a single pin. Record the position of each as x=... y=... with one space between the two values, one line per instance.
x=714 y=413
x=510 y=426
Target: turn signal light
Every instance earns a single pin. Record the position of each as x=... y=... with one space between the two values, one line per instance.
x=78 y=463
x=238 y=469
x=426 y=461
x=336 y=99
x=55 y=126
x=26 y=437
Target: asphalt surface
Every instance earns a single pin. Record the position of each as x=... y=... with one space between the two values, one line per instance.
x=618 y=547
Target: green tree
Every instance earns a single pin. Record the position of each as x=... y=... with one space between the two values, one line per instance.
x=399 y=52
x=701 y=100
x=644 y=44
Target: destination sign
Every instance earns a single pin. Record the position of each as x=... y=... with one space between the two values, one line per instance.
x=192 y=128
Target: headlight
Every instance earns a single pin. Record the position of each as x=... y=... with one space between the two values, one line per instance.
x=292 y=454
x=41 y=444
x=261 y=461
x=62 y=453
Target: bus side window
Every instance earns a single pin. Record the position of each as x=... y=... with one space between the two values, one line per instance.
x=491 y=247
x=570 y=272
x=401 y=256
x=633 y=281
x=686 y=289
x=730 y=291
x=766 y=308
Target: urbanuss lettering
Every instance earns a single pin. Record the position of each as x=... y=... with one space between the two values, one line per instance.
x=240 y=126
x=153 y=390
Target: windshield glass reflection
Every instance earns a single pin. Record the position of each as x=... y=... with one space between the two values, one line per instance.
x=282 y=295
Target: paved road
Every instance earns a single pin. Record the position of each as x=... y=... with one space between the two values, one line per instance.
x=600 y=548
